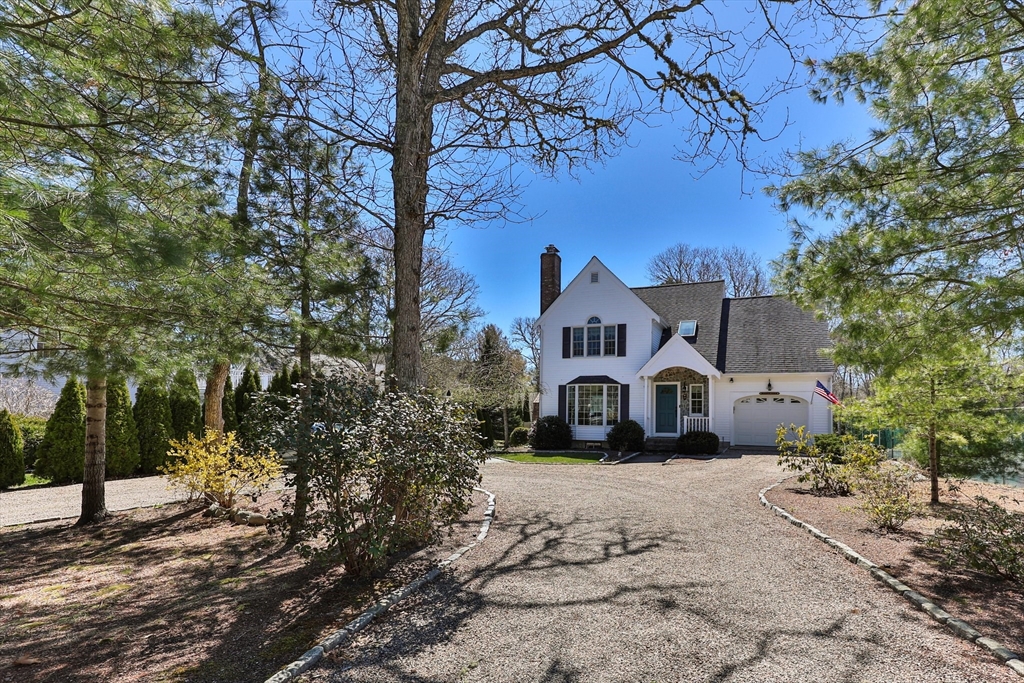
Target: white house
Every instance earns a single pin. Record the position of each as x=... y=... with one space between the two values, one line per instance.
x=677 y=358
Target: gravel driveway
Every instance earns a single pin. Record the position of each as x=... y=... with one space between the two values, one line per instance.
x=30 y=505
x=653 y=572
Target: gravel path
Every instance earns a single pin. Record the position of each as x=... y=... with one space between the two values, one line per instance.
x=653 y=573
x=22 y=507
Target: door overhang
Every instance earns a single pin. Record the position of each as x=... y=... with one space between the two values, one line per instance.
x=677 y=352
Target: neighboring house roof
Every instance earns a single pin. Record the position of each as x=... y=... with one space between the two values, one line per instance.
x=755 y=334
x=771 y=334
x=700 y=301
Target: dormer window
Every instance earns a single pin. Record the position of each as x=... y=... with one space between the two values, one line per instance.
x=593 y=277
x=687 y=328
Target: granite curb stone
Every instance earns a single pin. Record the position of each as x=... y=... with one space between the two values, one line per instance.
x=310 y=658
x=958 y=626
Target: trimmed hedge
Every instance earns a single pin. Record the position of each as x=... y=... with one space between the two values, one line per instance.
x=12 y=452
x=122 y=434
x=61 y=455
x=186 y=406
x=831 y=445
x=152 y=414
x=551 y=433
x=520 y=436
x=626 y=436
x=697 y=443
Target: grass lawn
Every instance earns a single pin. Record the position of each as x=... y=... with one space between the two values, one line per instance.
x=555 y=458
x=32 y=480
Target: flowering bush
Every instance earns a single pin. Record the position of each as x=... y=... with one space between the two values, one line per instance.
x=827 y=473
x=217 y=469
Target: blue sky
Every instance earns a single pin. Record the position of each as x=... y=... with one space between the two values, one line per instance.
x=637 y=204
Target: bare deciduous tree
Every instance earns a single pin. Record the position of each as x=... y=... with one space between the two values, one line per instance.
x=742 y=270
x=441 y=98
x=526 y=339
x=22 y=396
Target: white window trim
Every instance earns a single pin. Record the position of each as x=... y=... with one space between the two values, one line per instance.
x=572 y=399
x=689 y=397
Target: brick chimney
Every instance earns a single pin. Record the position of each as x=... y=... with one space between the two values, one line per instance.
x=550 y=277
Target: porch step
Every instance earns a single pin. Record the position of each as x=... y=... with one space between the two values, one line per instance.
x=660 y=444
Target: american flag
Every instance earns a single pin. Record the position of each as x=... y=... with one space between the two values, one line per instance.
x=820 y=390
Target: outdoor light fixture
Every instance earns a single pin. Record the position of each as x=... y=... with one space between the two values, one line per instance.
x=730 y=380
x=769 y=385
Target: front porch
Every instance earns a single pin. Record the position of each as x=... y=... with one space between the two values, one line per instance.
x=679 y=391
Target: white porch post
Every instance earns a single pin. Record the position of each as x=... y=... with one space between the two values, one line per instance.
x=646 y=416
x=711 y=405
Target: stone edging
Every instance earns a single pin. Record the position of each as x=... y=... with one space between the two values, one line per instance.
x=958 y=626
x=342 y=636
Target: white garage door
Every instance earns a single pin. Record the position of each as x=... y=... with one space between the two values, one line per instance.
x=756 y=418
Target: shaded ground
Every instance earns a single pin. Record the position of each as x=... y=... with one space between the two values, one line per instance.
x=653 y=572
x=167 y=595
x=992 y=605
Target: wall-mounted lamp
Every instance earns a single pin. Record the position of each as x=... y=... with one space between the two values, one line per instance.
x=769 y=385
x=730 y=380
x=448 y=393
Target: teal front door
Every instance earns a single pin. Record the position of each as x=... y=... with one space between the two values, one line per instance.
x=666 y=406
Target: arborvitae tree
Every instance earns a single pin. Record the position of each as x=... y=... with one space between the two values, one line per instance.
x=122 y=433
x=248 y=386
x=12 y=452
x=152 y=414
x=61 y=456
x=294 y=379
x=186 y=407
x=228 y=407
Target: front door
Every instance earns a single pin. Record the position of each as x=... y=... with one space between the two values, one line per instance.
x=666 y=407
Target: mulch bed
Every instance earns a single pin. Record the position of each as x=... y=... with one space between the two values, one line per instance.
x=166 y=594
x=992 y=605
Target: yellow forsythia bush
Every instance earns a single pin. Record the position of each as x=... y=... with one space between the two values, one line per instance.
x=218 y=469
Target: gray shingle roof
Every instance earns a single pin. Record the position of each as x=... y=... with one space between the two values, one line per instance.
x=756 y=334
x=771 y=334
x=700 y=301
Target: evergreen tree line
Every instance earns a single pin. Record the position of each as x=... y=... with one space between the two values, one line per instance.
x=137 y=437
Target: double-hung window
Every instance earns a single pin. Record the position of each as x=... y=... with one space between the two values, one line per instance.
x=696 y=399
x=595 y=339
x=592 y=404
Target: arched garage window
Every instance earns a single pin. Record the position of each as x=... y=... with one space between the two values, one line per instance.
x=592 y=404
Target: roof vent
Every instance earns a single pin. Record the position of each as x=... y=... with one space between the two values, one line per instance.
x=687 y=328
x=593 y=276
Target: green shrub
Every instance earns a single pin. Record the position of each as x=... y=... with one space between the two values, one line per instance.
x=887 y=500
x=830 y=445
x=985 y=537
x=827 y=474
x=61 y=455
x=248 y=388
x=698 y=443
x=227 y=407
x=626 y=436
x=186 y=407
x=12 y=452
x=519 y=436
x=122 y=438
x=152 y=415
x=551 y=433
x=386 y=471
x=32 y=431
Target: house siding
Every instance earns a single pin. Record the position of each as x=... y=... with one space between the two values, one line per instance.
x=614 y=304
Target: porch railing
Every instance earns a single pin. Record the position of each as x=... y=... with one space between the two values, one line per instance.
x=696 y=423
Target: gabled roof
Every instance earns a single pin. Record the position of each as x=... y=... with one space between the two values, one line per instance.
x=700 y=301
x=771 y=334
x=576 y=282
x=677 y=352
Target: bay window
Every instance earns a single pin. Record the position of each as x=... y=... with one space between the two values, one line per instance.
x=591 y=405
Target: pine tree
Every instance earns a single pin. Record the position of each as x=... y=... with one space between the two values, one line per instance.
x=152 y=414
x=12 y=452
x=61 y=455
x=186 y=407
x=228 y=408
x=248 y=387
x=122 y=433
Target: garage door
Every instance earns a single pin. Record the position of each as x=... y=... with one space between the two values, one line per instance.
x=756 y=418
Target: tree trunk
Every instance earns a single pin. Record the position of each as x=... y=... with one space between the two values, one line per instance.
x=933 y=454
x=298 y=521
x=504 y=419
x=94 y=505
x=410 y=165
x=214 y=396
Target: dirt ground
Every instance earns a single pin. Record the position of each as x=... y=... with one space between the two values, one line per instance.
x=992 y=605
x=164 y=594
